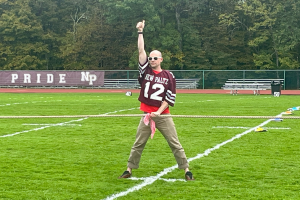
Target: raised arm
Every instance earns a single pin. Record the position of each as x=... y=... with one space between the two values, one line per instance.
x=142 y=54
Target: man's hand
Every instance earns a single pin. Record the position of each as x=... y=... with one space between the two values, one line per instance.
x=140 y=26
x=154 y=114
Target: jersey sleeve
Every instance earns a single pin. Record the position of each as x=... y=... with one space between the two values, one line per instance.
x=142 y=69
x=171 y=90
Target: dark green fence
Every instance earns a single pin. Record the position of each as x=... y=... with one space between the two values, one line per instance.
x=215 y=79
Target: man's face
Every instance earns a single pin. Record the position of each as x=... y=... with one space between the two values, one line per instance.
x=154 y=60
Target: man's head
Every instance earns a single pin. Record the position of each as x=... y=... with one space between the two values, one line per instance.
x=155 y=58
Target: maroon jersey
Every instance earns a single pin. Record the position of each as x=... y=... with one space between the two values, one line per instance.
x=156 y=88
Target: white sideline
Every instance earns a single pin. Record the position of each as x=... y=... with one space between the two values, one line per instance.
x=58 y=124
x=10 y=104
x=40 y=128
x=163 y=179
x=152 y=179
x=241 y=127
x=51 y=124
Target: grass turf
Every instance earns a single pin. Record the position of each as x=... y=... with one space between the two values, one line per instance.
x=66 y=158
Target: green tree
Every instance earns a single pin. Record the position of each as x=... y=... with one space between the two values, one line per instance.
x=272 y=29
x=98 y=45
x=287 y=34
x=21 y=37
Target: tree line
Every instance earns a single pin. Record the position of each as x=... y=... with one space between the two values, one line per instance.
x=191 y=34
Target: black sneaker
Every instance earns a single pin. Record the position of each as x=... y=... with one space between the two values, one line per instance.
x=189 y=176
x=126 y=174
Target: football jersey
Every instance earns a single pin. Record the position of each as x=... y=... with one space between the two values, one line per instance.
x=156 y=88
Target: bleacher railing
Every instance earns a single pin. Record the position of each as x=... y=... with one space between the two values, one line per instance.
x=215 y=79
x=205 y=79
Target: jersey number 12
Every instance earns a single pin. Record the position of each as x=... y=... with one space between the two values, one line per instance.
x=155 y=95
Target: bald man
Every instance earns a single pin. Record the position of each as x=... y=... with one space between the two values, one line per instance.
x=158 y=92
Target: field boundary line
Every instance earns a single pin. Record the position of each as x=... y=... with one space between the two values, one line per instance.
x=163 y=179
x=51 y=125
x=58 y=124
x=242 y=127
x=41 y=128
x=152 y=179
x=142 y=115
x=32 y=102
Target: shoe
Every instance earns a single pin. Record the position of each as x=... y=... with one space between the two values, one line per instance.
x=189 y=176
x=126 y=174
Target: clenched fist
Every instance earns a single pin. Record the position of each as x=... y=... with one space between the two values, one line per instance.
x=140 y=26
x=154 y=114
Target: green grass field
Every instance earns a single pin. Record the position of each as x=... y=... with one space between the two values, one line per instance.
x=81 y=158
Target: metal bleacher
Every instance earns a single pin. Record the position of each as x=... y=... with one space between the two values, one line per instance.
x=187 y=83
x=117 y=84
x=256 y=85
x=133 y=83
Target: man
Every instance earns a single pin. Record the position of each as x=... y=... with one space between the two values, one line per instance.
x=158 y=91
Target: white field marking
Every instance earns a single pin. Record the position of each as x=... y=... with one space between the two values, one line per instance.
x=41 y=128
x=51 y=125
x=199 y=101
x=163 y=179
x=121 y=111
x=10 y=104
x=226 y=99
x=152 y=179
x=47 y=126
x=206 y=101
x=241 y=127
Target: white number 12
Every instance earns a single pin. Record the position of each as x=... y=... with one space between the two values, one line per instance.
x=154 y=96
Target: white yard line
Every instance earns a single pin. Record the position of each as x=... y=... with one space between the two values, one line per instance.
x=51 y=125
x=58 y=124
x=41 y=128
x=241 y=127
x=10 y=104
x=152 y=179
x=163 y=179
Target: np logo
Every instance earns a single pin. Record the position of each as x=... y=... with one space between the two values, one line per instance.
x=86 y=76
x=276 y=94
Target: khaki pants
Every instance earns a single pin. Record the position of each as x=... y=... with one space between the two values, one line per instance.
x=167 y=127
